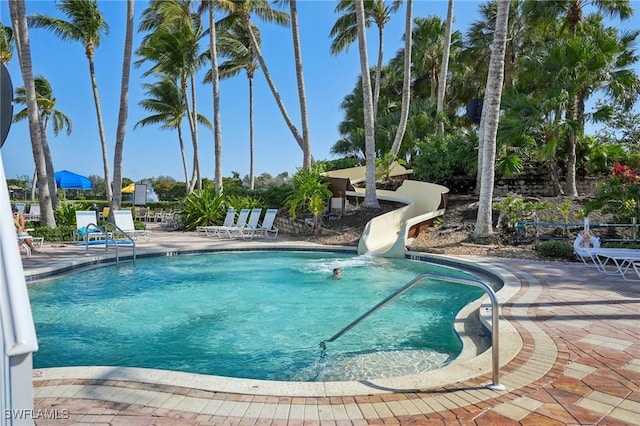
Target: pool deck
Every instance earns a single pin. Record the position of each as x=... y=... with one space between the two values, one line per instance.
x=577 y=362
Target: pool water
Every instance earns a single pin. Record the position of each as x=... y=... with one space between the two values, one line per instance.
x=259 y=315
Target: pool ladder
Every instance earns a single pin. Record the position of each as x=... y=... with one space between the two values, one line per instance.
x=107 y=236
x=495 y=344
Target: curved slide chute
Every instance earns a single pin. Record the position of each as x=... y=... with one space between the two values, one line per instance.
x=386 y=235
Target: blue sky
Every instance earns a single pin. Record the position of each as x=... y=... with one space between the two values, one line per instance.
x=151 y=152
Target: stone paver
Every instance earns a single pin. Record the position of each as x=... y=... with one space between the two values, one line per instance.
x=579 y=364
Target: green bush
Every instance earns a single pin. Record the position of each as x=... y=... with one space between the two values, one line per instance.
x=515 y=209
x=202 y=208
x=556 y=249
x=61 y=233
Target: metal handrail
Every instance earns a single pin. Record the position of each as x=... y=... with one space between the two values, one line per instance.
x=495 y=340
x=106 y=240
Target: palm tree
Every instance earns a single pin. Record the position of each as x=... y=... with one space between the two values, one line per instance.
x=85 y=24
x=168 y=105
x=297 y=51
x=215 y=79
x=370 y=197
x=241 y=10
x=235 y=46
x=572 y=13
x=173 y=47
x=406 y=81
x=491 y=112
x=345 y=32
x=48 y=113
x=21 y=32
x=6 y=44
x=123 y=110
x=444 y=67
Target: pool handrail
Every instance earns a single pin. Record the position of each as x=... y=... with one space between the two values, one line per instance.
x=495 y=341
x=107 y=236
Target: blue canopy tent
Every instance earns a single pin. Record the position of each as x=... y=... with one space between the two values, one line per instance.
x=69 y=180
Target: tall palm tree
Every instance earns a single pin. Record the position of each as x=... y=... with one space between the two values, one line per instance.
x=85 y=24
x=123 y=110
x=491 y=112
x=297 y=51
x=173 y=48
x=48 y=114
x=406 y=81
x=345 y=32
x=6 y=44
x=215 y=79
x=235 y=47
x=21 y=32
x=444 y=67
x=370 y=197
x=241 y=10
x=167 y=104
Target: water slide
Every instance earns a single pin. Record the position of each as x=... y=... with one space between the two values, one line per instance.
x=386 y=235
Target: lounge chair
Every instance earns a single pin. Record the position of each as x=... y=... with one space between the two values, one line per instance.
x=241 y=223
x=252 y=224
x=267 y=224
x=219 y=230
x=86 y=227
x=34 y=213
x=610 y=261
x=124 y=221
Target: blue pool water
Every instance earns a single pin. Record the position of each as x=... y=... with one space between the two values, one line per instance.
x=254 y=315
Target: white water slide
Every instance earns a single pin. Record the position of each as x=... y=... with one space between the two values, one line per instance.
x=386 y=235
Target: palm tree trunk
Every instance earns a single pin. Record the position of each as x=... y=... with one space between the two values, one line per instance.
x=406 y=82
x=215 y=79
x=184 y=157
x=19 y=22
x=480 y=155
x=252 y=177
x=103 y=139
x=124 y=109
x=491 y=111
x=48 y=158
x=572 y=139
x=194 y=114
x=297 y=51
x=378 y=73
x=444 y=68
x=194 y=140
x=370 y=197
x=272 y=86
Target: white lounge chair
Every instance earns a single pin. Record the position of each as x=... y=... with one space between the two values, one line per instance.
x=34 y=212
x=219 y=230
x=241 y=223
x=252 y=224
x=124 y=221
x=610 y=261
x=86 y=226
x=267 y=227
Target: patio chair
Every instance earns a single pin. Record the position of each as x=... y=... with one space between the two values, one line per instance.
x=609 y=261
x=86 y=227
x=267 y=224
x=124 y=221
x=34 y=213
x=218 y=230
x=241 y=223
x=252 y=225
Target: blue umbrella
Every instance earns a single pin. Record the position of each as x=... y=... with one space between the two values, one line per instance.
x=68 y=180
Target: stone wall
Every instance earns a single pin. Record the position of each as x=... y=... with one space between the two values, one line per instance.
x=539 y=186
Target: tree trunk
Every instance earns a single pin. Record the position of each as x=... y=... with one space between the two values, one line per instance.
x=103 y=138
x=480 y=156
x=491 y=112
x=444 y=68
x=184 y=157
x=196 y=142
x=123 y=111
x=572 y=139
x=378 y=73
x=48 y=158
x=19 y=22
x=272 y=86
x=304 y=116
x=215 y=80
x=370 y=197
x=406 y=81
x=252 y=176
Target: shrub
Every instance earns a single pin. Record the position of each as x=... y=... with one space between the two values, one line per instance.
x=556 y=249
x=310 y=193
x=514 y=210
x=61 y=233
x=619 y=195
x=202 y=208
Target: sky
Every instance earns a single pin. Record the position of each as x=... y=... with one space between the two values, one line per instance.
x=152 y=152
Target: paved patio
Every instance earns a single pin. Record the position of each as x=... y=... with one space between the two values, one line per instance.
x=579 y=364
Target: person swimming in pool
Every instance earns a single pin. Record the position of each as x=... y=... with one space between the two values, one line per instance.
x=337 y=273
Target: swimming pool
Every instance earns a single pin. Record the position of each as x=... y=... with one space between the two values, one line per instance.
x=250 y=315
